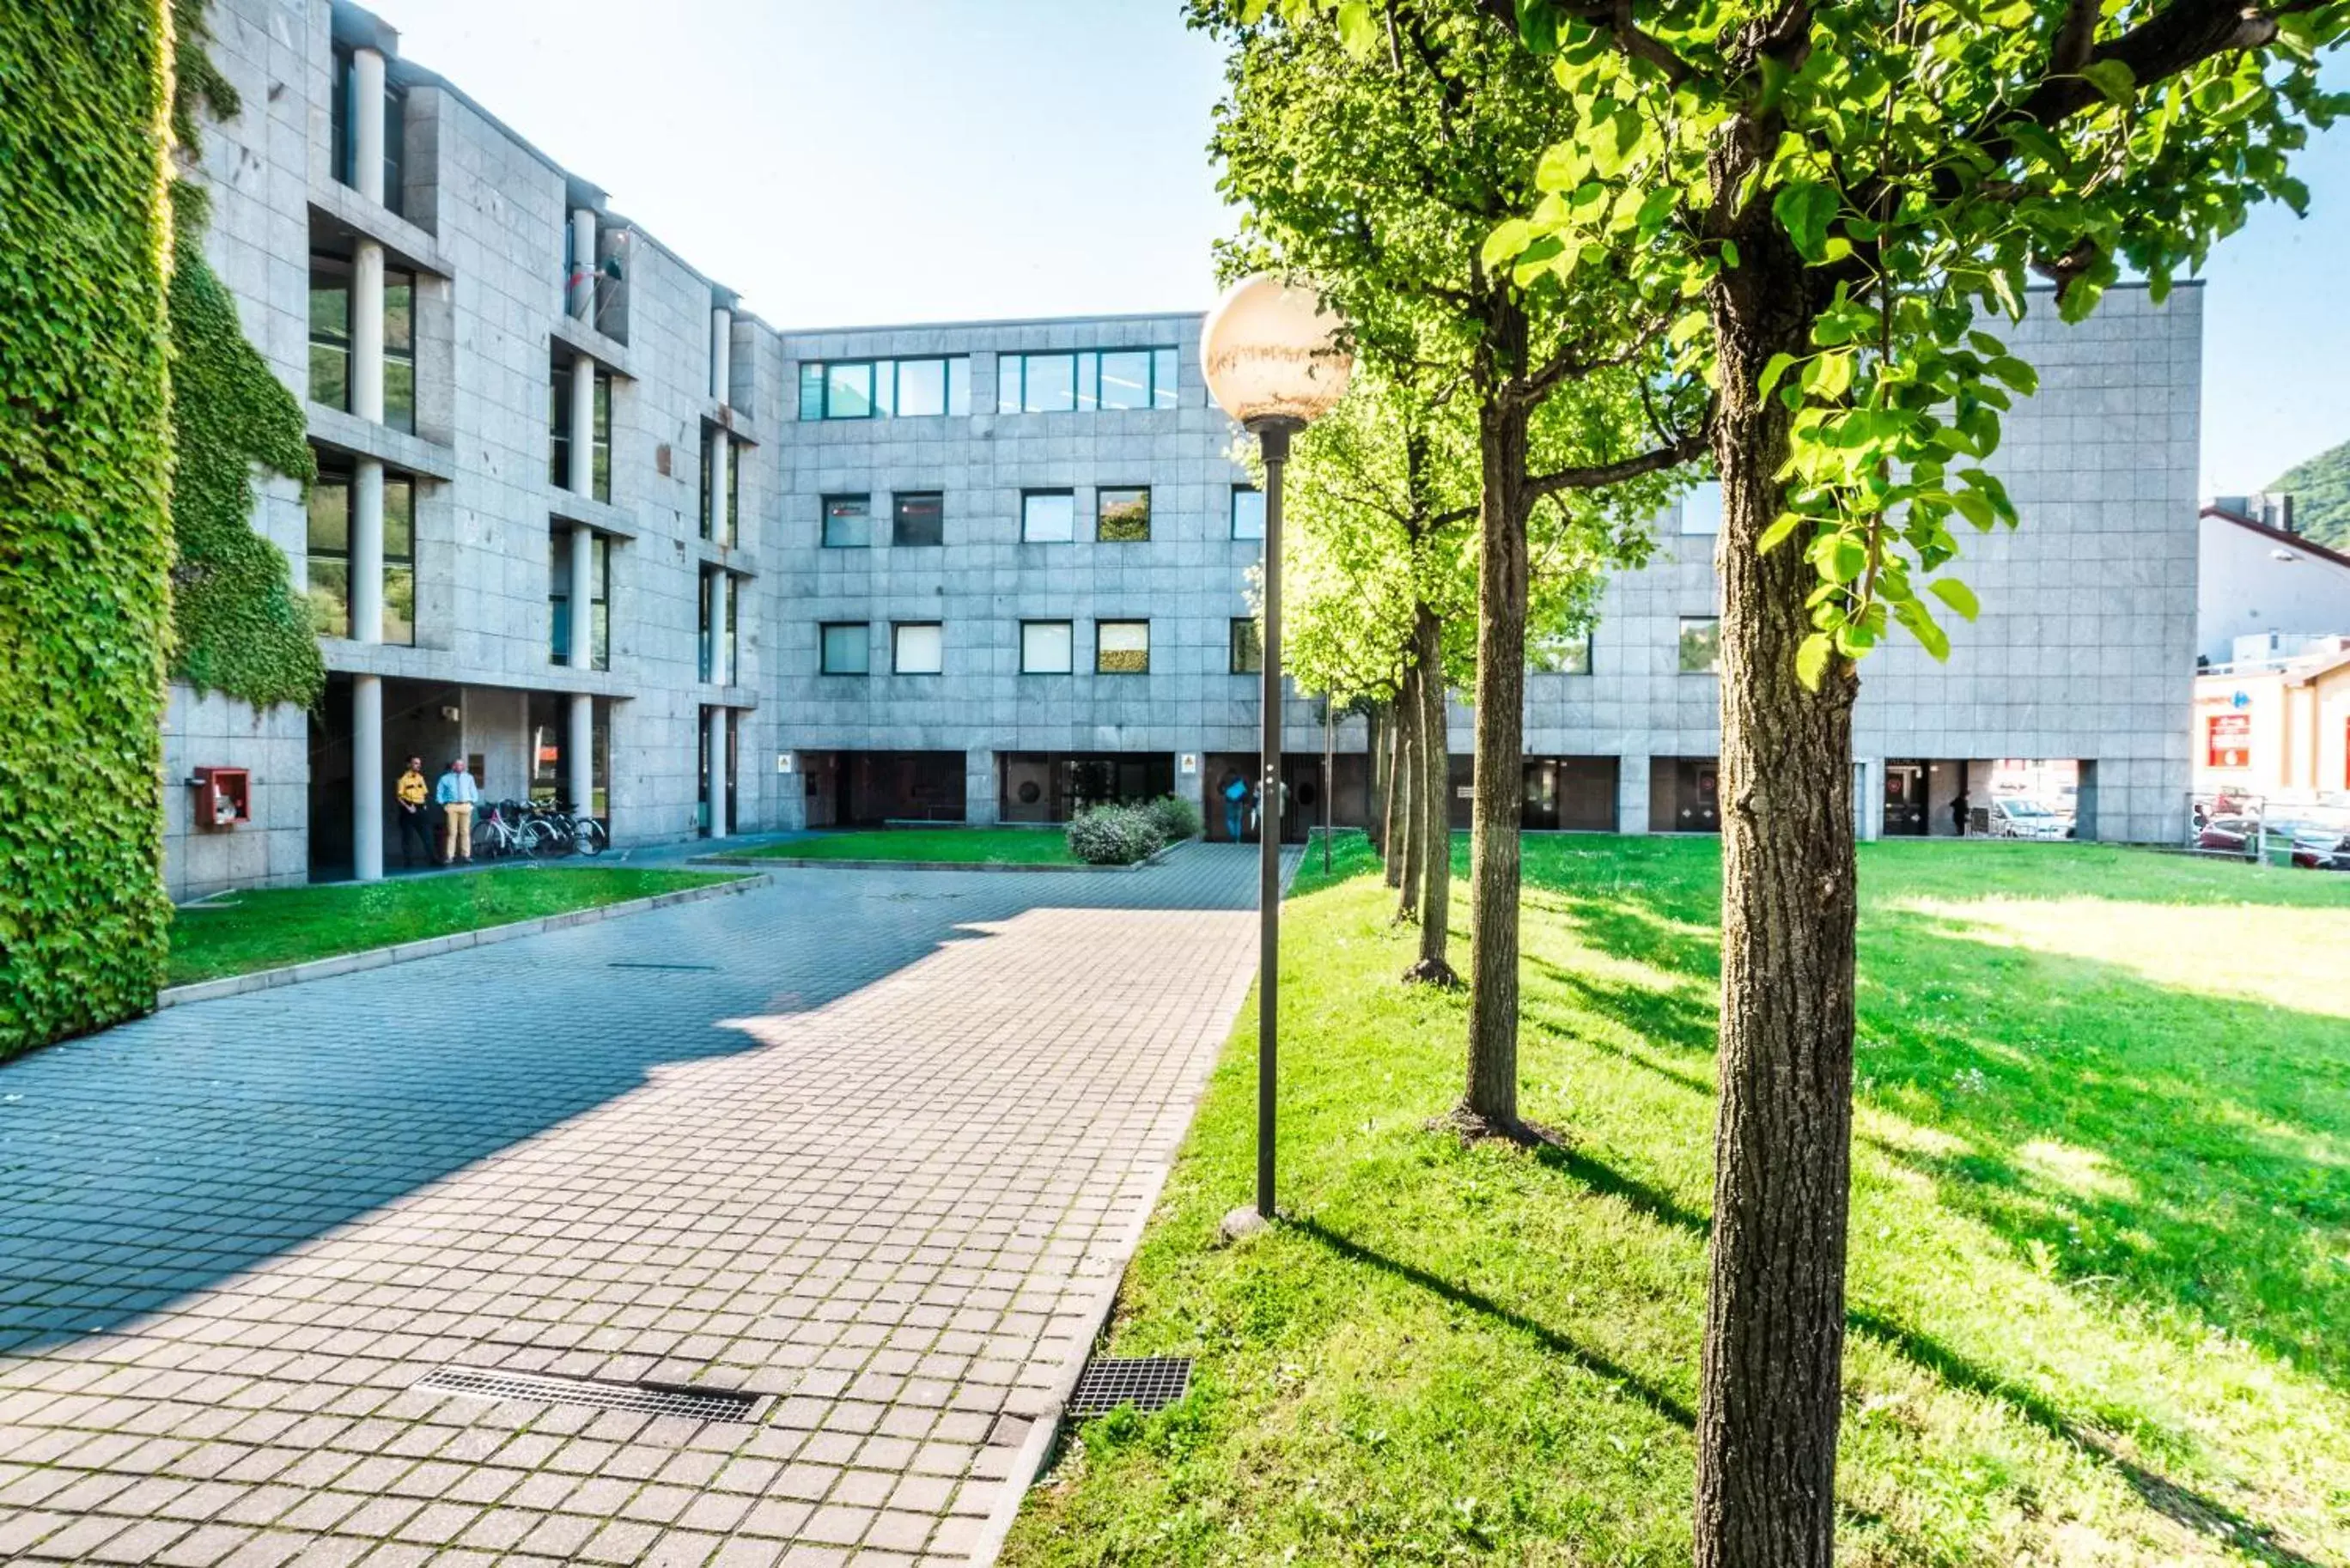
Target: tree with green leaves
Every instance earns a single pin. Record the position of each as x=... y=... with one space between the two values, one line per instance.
x=1377 y=162
x=1841 y=203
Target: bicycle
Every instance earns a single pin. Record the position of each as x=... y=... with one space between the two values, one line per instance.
x=495 y=836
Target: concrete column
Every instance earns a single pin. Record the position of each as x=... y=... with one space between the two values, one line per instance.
x=980 y=808
x=583 y=426
x=721 y=353
x=368 y=782
x=578 y=751
x=367 y=551
x=367 y=331
x=366 y=124
x=720 y=452
x=580 y=652
x=580 y=300
x=1632 y=794
x=1868 y=798
x=717 y=747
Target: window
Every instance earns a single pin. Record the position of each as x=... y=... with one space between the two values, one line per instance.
x=1122 y=648
x=729 y=524
x=1701 y=644
x=848 y=522
x=1566 y=654
x=1702 y=509
x=1248 y=512
x=400 y=349
x=1248 y=646
x=1048 y=516
x=330 y=340
x=721 y=594
x=345 y=134
x=599 y=465
x=329 y=557
x=1045 y=647
x=1122 y=517
x=1058 y=383
x=917 y=648
x=918 y=517
x=845 y=647
x=330 y=331
x=559 y=600
x=885 y=389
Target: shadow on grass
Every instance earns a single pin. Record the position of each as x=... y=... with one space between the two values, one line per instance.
x=1635 y=1386
x=2164 y=1142
x=2205 y=1516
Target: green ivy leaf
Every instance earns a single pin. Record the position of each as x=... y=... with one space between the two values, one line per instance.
x=1804 y=209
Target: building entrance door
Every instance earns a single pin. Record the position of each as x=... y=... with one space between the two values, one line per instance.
x=1905 y=800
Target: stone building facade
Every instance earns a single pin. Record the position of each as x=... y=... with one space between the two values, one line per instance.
x=978 y=572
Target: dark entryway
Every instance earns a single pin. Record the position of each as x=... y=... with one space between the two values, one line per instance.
x=866 y=789
x=1054 y=786
x=1302 y=792
x=1684 y=795
x=417 y=722
x=1905 y=798
x=1571 y=794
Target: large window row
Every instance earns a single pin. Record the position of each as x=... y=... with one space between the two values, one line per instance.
x=918 y=517
x=1046 y=648
x=885 y=389
x=1085 y=380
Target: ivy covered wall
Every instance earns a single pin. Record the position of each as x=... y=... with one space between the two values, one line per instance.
x=236 y=627
x=85 y=540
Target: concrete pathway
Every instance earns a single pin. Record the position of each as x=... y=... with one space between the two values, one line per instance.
x=870 y=1144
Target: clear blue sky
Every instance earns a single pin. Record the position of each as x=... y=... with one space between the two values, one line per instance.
x=943 y=160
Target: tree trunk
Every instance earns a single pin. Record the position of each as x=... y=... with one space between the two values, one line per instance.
x=1375 y=758
x=1490 y=1104
x=1398 y=831
x=1412 y=813
x=1434 y=967
x=1769 y=1389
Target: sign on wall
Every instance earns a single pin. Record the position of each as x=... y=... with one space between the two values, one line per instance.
x=2229 y=741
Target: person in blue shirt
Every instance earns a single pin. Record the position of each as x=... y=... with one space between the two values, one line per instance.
x=1236 y=795
x=455 y=795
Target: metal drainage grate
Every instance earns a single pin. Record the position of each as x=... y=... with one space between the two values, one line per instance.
x=643 y=1398
x=1147 y=1383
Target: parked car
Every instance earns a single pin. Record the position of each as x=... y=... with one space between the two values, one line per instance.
x=2321 y=849
x=2022 y=816
x=2229 y=834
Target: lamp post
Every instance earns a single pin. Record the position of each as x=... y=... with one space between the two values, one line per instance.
x=1275 y=361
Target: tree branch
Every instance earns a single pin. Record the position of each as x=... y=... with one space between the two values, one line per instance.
x=1613 y=17
x=1683 y=450
x=1566 y=365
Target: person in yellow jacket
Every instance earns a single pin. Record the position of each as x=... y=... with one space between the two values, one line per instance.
x=411 y=796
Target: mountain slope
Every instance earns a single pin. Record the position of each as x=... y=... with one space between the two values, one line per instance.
x=2321 y=496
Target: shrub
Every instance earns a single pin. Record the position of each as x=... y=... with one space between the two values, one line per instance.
x=1178 y=818
x=1114 y=834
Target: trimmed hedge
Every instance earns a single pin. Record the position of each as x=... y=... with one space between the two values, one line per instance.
x=85 y=539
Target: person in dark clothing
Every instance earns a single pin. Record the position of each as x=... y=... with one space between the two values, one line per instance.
x=410 y=797
x=1959 y=815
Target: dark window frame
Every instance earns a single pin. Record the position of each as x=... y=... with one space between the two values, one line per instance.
x=1101 y=626
x=899 y=627
x=1101 y=499
x=1232 y=513
x=1161 y=391
x=825 y=505
x=1246 y=646
x=1041 y=492
x=898 y=499
x=1070 y=626
x=824 y=646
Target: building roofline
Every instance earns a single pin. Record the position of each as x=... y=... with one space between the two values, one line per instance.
x=2298 y=541
x=997 y=322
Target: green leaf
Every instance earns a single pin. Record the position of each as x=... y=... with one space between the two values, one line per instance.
x=1805 y=209
x=1538 y=25
x=1812 y=660
x=1778 y=533
x=1505 y=243
x=1730 y=254
x=1779 y=365
x=2016 y=373
x=1955 y=594
x=2113 y=78
x=1357 y=31
x=1615 y=140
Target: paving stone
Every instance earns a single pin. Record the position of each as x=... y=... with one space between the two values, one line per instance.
x=878 y=1163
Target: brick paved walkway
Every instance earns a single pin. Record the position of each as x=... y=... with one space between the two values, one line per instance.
x=876 y=1163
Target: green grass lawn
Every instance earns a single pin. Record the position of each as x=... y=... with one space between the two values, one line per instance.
x=2100 y=1279
x=964 y=846
x=263 y=930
